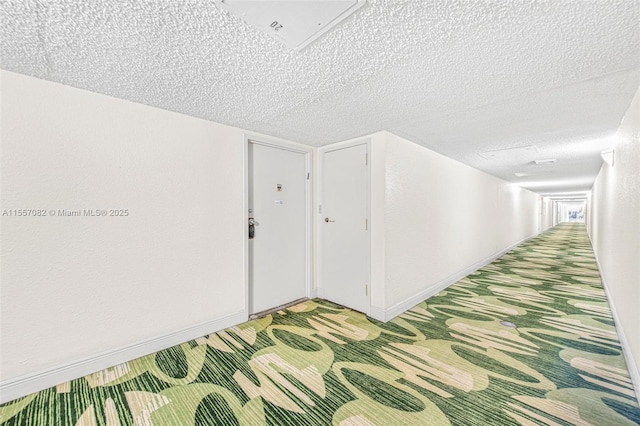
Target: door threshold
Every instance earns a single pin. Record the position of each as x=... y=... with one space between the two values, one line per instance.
x=276 y=309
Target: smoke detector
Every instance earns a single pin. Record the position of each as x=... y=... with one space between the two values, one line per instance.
x=296 y=23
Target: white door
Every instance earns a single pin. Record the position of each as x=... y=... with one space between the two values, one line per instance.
x=344 y=227
x=277 y=204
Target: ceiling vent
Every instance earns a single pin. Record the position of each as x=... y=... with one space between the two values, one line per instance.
x=296 y=23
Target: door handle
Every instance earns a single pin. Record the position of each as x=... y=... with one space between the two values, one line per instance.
x=326 y=219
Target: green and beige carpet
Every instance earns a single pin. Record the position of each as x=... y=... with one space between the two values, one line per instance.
x=528 y=339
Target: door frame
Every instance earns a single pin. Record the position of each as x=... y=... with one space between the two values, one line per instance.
x=320 y=199
x=309 y=160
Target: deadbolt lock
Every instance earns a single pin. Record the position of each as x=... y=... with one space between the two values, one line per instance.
x=252 y=228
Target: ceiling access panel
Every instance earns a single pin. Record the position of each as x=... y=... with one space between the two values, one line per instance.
x=295 y=23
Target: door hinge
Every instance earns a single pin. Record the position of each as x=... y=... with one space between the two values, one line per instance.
x=307 y=176
x=366 y=224
x=366 y=159
x=366 y=289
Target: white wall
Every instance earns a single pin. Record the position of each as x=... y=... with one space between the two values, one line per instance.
x=75 y=287
x=434 y=220
x=377 y=156
x=614 y=227
x=442 y=219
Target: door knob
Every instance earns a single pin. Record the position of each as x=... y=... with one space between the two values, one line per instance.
x=326 y=219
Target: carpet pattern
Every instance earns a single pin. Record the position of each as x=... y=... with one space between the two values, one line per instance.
x=528 y=339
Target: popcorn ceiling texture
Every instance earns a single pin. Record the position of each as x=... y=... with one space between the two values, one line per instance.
x=459 y=77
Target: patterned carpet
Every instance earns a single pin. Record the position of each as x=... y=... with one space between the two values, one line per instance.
x=528 y=339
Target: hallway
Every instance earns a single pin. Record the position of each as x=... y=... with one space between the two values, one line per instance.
x=527 y=339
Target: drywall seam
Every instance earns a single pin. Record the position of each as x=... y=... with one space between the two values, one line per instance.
x=632 y=366
x=29 y=383
x=388 y=314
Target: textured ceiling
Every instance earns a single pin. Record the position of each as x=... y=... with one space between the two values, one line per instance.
x=460 y=77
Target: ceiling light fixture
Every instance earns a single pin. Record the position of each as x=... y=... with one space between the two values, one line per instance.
x=545 y=161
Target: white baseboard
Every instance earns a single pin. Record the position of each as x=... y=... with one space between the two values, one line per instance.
x=632 y=366
x=29 y=383
x=377 y=312
x=385 y=315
